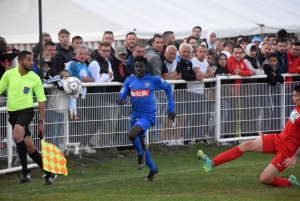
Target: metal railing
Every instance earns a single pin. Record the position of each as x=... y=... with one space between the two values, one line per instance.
x=221 y=112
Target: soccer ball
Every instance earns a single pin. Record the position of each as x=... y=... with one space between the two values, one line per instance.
x=72 y=86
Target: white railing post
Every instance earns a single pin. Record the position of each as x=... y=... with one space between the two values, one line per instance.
x=218 y=108
x=66 y=128
x=282 y=100
x=218 y=118
x=9 y=143
x=147 y=137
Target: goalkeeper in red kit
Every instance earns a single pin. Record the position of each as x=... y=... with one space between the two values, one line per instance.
x=285 y=146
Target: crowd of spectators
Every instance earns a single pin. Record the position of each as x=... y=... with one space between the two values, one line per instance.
x=192 y=60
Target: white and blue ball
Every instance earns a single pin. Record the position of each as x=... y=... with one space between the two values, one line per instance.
x=72 y=85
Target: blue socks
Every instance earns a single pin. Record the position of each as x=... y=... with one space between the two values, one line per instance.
x=137 y=145
x=149 y=161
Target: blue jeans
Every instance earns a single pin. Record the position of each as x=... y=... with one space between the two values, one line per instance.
x=55 y=127
x=224 y=117
x=161 y=109
x=196 y=123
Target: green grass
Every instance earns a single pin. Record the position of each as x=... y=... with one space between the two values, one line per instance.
x=111 y=175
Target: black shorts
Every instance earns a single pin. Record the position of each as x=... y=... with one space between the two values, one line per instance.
x=23 y=118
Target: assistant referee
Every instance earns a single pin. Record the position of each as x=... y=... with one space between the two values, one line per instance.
x=22 y=83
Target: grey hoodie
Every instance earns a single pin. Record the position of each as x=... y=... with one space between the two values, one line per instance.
x=154 y=61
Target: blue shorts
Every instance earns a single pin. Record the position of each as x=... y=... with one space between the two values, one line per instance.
x=145 y=122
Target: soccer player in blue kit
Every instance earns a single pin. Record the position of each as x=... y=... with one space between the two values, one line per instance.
x=141 y=89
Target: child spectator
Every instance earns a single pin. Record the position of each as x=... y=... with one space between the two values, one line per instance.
x=46 y=64
x=272 y=71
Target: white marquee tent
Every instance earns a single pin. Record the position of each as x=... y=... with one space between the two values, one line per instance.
x=90 y=18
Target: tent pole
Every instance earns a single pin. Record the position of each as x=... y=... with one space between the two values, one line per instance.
x=261 y=31
x=41 y=40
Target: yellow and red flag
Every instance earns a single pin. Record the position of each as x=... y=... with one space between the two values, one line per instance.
x=53 y=160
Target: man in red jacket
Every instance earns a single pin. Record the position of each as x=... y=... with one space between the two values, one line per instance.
x=293 y=60
x=237 y=66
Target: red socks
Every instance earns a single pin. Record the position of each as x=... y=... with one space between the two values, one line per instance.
x=234 y=153
x=280 y=182
x=227 y=156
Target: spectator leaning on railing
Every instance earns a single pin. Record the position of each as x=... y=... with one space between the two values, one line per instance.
x=101 y=71
x=237 y=66
x=293 y=61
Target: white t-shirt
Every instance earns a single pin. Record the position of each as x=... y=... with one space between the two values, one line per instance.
x=198 y=87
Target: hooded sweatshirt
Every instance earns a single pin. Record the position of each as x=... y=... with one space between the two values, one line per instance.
x=154 y=61
x=252 y=62
x=208 y=43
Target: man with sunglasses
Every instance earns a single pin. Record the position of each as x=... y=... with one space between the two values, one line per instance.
x=100 y=67
x=101 y=71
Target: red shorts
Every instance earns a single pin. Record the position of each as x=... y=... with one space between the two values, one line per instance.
x=272 y=144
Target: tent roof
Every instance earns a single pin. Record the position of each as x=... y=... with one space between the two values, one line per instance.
x=90 y=18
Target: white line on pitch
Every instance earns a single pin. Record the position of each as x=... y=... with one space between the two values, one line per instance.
x=124 y=178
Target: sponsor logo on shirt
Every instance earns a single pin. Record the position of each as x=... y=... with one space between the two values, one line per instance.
x=140 y=93
x=26 y=90
x=294 y=115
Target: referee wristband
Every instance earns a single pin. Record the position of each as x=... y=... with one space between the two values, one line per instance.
x=42 y=121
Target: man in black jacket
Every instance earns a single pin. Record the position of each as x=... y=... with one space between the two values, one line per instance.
x=63 y=55
x=281 y=56
x=185 y=65
x=187 y=74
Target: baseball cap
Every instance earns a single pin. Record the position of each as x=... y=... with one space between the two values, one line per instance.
x=121 y=50
x=256 y=38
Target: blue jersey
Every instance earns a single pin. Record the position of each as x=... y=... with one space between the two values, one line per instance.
x=142 y=94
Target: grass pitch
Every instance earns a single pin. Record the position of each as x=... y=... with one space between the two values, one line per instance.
x=111 y=175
